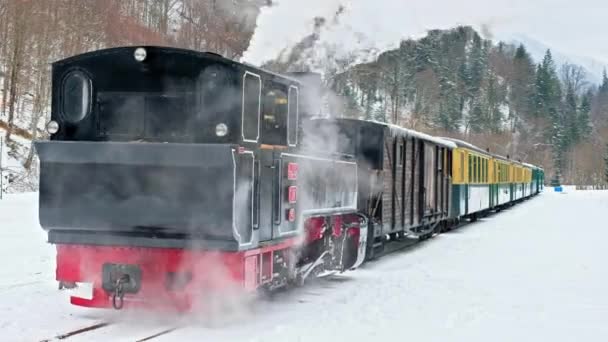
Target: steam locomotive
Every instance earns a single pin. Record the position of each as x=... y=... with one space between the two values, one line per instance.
x=173 y=175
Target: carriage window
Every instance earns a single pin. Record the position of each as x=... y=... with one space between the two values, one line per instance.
x=497 y=172
x=479 y=170
x=292 y=116
x=488 y=171
x=252 y=87
x=462 y=166
x=274 y=115
x=474 y=169
x=470 y=169
x=76 y=97
x=485 y=170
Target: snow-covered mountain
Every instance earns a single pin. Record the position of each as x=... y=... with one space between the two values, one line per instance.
x=538 y=49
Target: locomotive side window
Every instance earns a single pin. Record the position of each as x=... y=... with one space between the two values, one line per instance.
x=274 y=114
x=252 y=89
x=76 y=97
x=292 y=116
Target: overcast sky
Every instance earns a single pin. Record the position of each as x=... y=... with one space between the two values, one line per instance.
x=575 y=27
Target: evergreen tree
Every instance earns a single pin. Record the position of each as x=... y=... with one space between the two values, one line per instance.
x=523 y=84
x=477 y=66
x=557 y=141
x=584 y=123
x=548 y=89
x=476 y=119
x=604 y=85
x=571 y=119
x=606 y=166
x=548 y=105
x=493 y=99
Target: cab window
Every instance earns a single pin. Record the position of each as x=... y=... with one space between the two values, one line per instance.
x=275 y=108
x=251 y=107
x=292 y=116
x=76 y=97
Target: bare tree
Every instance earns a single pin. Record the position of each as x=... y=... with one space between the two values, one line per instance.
x=574 y=77
x=17 y=46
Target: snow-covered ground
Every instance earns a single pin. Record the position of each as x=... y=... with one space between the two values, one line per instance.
x=536 y=272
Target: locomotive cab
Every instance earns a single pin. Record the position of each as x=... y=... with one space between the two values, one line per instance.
x=171 y=96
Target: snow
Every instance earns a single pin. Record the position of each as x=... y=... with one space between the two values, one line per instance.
x=6 y=160
x=533 y=272
x=439 y=141
x=30 y=305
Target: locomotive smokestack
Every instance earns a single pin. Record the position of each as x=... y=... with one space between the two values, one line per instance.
x=311 y=94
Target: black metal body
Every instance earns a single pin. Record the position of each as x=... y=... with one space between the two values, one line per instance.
x=137 y=160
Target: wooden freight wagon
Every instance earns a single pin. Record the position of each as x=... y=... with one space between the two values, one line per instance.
x=404 y=176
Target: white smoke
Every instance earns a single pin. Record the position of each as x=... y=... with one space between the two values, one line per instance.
x=367 y=26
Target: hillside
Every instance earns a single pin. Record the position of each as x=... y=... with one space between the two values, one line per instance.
x=537 y=50
x=456 y=83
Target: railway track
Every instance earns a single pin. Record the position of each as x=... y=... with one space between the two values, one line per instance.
x=161 y=333
x=79 y=331
x=88 y=333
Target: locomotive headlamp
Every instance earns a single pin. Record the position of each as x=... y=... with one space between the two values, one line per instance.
x=52 y=127
x=221 y=130
x=140 y=54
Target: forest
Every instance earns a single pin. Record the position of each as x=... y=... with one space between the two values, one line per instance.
x=456 y=83
x=452 y=82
